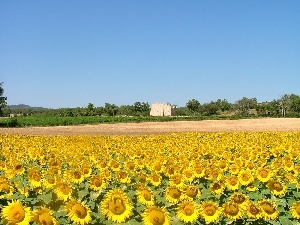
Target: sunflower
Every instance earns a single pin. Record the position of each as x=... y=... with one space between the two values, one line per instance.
x=245 y=177
x=97 y=183
x=210 y=211
x=123 y=177
x=6 y=190
x=86 y=171
x=63 y=190
x=192 y=192
x=78 y=212
x=16 y=213
x=277 y=187
x=115 y=165
x=145 y=196
x=251 y=187
x=176 y=180
x=75 y=176
x=269 y=209
x=216 y=187
x=188 y=174
x=234 y=169
x=44 y=216
x=155 y=215
x=240 y=199
x=49 y=180
x=173 y=194
x=232 y=210
x=155 y=179
x=232 y=183
x=199 y=171
x=34 y=178
x=116 y=206
x=253 y=211
x=263 y=174
x=130 y=165
x=295 y=210
x=188 y=211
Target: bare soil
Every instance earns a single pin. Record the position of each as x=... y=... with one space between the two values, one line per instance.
x=269 y=124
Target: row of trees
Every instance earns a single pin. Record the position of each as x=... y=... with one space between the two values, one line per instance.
x=285 y=106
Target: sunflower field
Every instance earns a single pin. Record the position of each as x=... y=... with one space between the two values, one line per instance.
x=182 y=178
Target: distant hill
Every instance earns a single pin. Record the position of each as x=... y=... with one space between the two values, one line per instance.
x=23 y=106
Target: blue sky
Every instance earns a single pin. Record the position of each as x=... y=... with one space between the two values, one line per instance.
x=68 y=53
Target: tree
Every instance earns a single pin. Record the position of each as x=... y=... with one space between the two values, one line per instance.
x=193 y=105
x=111 y=109
x=3 y=99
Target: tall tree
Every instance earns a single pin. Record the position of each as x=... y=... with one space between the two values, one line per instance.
x=193 y=105
x=3 y=99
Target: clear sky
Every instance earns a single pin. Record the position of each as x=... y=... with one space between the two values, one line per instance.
x=68 y=53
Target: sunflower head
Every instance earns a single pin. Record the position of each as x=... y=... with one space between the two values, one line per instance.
x=277 y=187
x=231 y=210
x=173 y=194
x=116 y=206
x=253 y=211
x=188 y=211
x=16 y=213
x=192 y=191
x=78 y=212
x=43 y=216
x=210 y=211
x=269 y=209
x=154 y=215
x=295 y=210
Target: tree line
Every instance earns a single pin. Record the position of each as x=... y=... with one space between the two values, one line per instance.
x=288 y=105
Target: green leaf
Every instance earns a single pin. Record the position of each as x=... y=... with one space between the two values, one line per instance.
x=284 y=220
x=82 y=193
x=46 y=198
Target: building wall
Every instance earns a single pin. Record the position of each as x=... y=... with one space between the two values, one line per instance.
x=161 y=109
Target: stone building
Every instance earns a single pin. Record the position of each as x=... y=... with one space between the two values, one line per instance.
x=162 y=109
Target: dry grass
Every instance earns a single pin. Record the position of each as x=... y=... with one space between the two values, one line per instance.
x=269 y=124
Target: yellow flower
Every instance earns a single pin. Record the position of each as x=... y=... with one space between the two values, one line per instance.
x=34 y=178
x=44 y=216
x=295 y=210
x=145 y=196
x=216 y=188
x=155 y=179
x=176 y=180
x=188 y=174
x=192 y=192
x=253 y=211
x=154 y=215
x=269 y=209
x=173 y=194
x=277 y=187
x=232 y=183
x=232 y=210
x=6 y=190
x=97 y=183
x=123 y=177
x=240 y=199
x=116 y=206
x=245 y=177
x=263 y=174
x=78 y=212
x=188 y=211
x=16 y=213
x=63 y=190
x=251 y=187
x=49 y=180
x=75 y=176
x=210 y=211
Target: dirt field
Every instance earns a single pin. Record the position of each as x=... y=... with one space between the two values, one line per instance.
x=270 y=124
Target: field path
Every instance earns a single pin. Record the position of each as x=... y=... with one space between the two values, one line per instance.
x=269 y=124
